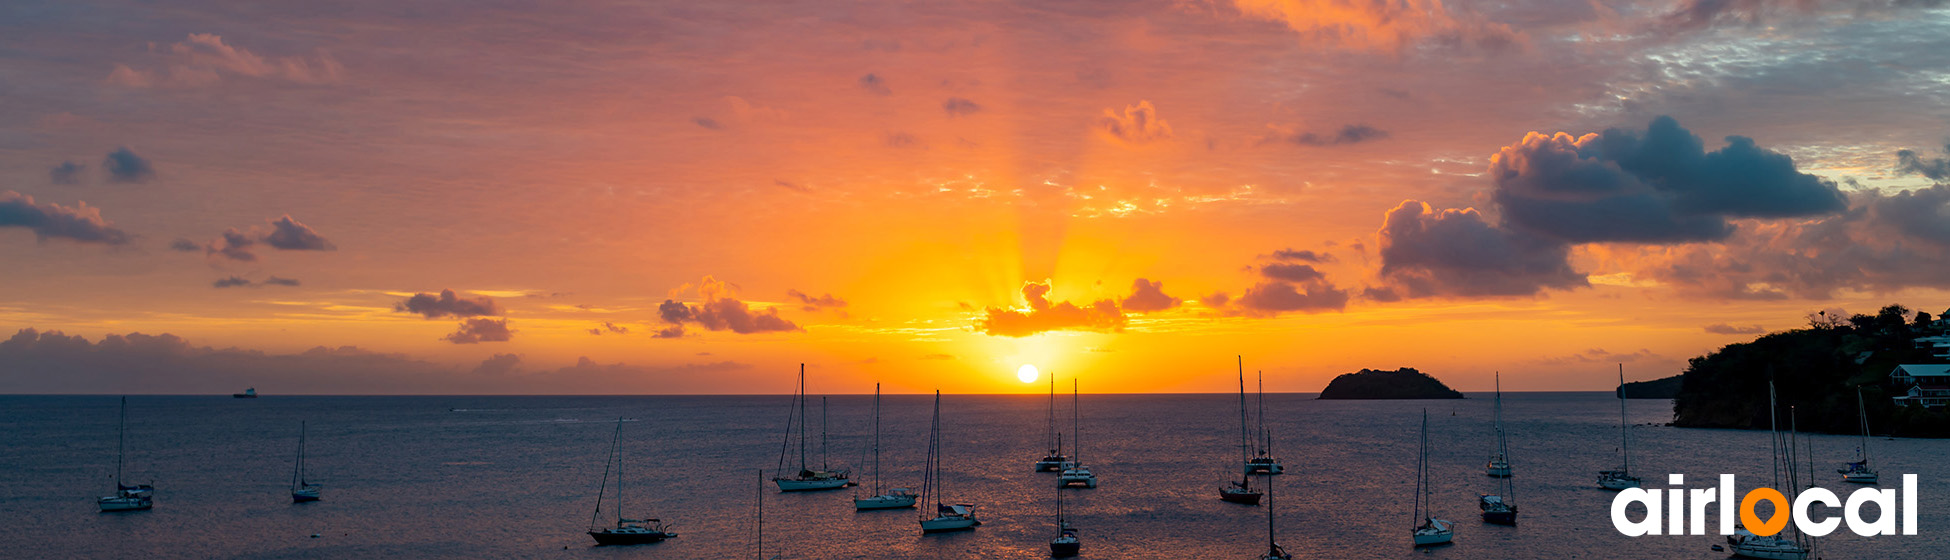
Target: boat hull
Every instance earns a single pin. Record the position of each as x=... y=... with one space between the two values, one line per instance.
x=1767 y=549
x=1500 y=518
x=1076 y=479
x=1264 y=466
x=884 y=502
x=810 y=484
x=1617 y=482
x=1061 y=548
x=1052 y=463
x=1861 y=478
x=611 y=538
x=1248 y=498
x=303 y=498
x=948 y=523
x=110 y=505
x=1433 y=539
x=1497 y=470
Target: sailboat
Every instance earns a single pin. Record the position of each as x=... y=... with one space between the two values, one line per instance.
x=1054 y=461
x=759 y=532
x=128 y=497
x=627 y=531
x=1273 y=549
x=1790 y=543
x=1858 y=471
x=895 y=498
x=805 y=479
x=302 y=490
x=1263 y=462
x=1428 y=529
x=1241 y=492
x=1075 y=473
x=955 y=517
x=1622 y=478
x=1066 y=543
x=250 y=393
x=1499 y=508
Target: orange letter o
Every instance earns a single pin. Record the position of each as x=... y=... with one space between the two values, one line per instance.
x=1753 y=522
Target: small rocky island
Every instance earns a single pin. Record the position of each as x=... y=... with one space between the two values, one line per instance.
x=1404 y=383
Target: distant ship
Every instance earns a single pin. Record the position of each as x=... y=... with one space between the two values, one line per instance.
x=250 y=393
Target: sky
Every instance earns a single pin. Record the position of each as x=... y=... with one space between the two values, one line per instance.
x=514 y=197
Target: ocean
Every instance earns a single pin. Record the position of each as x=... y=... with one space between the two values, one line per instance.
x=516 y=477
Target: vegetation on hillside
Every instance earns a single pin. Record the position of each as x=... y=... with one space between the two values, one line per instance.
x=1405 y=383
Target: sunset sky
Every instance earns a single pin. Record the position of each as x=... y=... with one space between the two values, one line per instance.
x=611 y=197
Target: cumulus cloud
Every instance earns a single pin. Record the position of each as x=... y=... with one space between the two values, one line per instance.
x=1908 y=162
x=875 y=85
x=448 y=304
x=240 y=282
x=1290 y=272
x=1272 y=298
x=1302 y=256
x=67 y=173
x=290 y=235
x=478 y=330
x=1455 y=253
x=958 y=107
x=1703 y=14
x=1349 y=134
x=82 y=223
x=1658 y=186
x=1147 y=296
x=1138 y=124
x=720 y=310
x=1723 y=328
x=284 y=233
x=123 y=166
x=204 y=59
x=707 y=122
x=278 y=281
x=231 y=282
x=184 y=245
x=499 y=364
x=810 y=303
x=1042 y=315
x=609 y=328
x=1392 y=26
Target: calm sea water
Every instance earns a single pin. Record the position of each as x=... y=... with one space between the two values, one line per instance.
x=515 y=477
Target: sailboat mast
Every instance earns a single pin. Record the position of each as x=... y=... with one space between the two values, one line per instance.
x=1774 y=432
x=1050 y=436
x=1076 y=425
x=1244 y=453
x=761 y=514
x=298 y=467
x=802 y=417
x=619 y=472
x=1624 y=439
x=1269 y=517
x=121 y=436
x=1863 y=412
x=608 y=461
x=823 y=464
x=1421 y=466
x=876 y=439
x=1265 y=437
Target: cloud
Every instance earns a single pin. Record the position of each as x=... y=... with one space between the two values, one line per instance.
x=1216 y=300
x=1042 y=316
x=1602 y=356
x=1703 y=14
x=707 y=122
x=1455 y=253
x=1302 y=256
x=230 y=282
x=1659 y=186
x=794 y=187
x=184 y=245
x=1390 y=26
x=239 y=281
x=123 y=166
x=448 y=304
x=902 y=140
x=1138 y=124
x=1273 y=298
x=279 y=281
x=958 y=107
x=873 y=84
x=204 y=59
x=720 y=311
x=289 y=235
x=67 y=173
x=1349 y=134
x=1723 y=328
x=473 y=331
x=1909 y=163
x=1290 y=272
x=810 y=303
x=284 y=234
x=499 y=365
x=1147 y=296
x=82 y=223
x=610 y=328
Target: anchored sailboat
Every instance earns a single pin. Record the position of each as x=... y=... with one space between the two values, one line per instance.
x=627 y=531
x=1054 y=461
x=1622 y=478
x=1790 y=543
x=1273 y=549
x=805 y=479
x=895 y=498
x=955 y=517
x=1859 y=471
x=1500 y=508
x=302 y=490
x=1263 y=461
x=1075 y=473
x=1066 y=543
x=1241 y=492
x=1428 y=529
x=128 y=497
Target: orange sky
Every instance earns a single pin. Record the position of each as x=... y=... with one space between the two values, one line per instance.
x=587 y=177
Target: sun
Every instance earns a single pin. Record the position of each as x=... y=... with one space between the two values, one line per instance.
x=1027 y=373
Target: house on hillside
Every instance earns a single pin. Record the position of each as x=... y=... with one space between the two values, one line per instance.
x=1925 y=384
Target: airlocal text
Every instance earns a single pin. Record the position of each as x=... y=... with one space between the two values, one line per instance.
x=1668 y=510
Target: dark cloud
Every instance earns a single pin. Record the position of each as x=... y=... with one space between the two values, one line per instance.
x=278 y=281
x=875 y=85
x=68 y=173
x=230 y=282
x=1044 y=316
x=1147 y=296
x=795 y=187
x=81 y=223
x=184 y=245
x=609 y=328
x=1303 y=256
x=478 y=330
x=1138 y=124
x=1454 y=253
x=1290 y=272
x=707 y=122
x=1723 y=328
x=958 y=107
x=1908 y=162
x=123 y=166
x=241 y=282
x=1272 y=298
x=1216 y=300
x=1703 y=14
x=499 y=365
x=289 y=235
x=810 y=303
x=1659 y=186
x=720 y=311
x=1348 y=134
x=448 y=304
x=284 y=234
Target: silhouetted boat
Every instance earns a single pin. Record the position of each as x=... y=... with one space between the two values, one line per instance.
x=128 y=497
x=1859 y=471
x=1241 y=492
x=1054 y=461
x=302 y=490
x=1790 y=543
x=1263 y=461
x=806 y=479
x=1075 y=473
x=1499 y=465
x=1428 y=529
x=946 y=517
x=627 y=531
x=1622 y=478
x=1273 y=549
x=1500 y=508
x=895 y=498
x=250 y=393
x=1067 y=543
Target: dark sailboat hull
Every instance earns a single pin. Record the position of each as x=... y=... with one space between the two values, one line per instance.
x=297 y=498
x=1251 y=499
x=1064 y=550
x=1500 y=518
x=604 y=538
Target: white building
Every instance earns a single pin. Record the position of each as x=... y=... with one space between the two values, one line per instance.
x=1938 y=346
x=1926 y=384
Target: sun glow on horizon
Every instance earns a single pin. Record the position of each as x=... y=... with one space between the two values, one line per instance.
x=1027 y=373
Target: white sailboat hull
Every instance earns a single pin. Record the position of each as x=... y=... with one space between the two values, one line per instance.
x=809 y=484
x=1264 y=466
x=1077 y=477
x=1766 y=548
x=1498 y=469
x=948 y=523
x=1052 y=464
x=1861 y=477
x=1616 y=481
x=886 y=501
x=1435 y=532
x=125 y=503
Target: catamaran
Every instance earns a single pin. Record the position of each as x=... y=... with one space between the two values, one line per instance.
x=1621 y=478
x=1241 y=491
x=1075 y=473
x=895 y=498
x=303 y=490
x=1428 y=529
x=1054 y=461
x=1263 y=461
x=1858 y=471
x=627 y=531
x=128 y=497
x=1790 y=543
x=806 y=479
x=947 y=517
